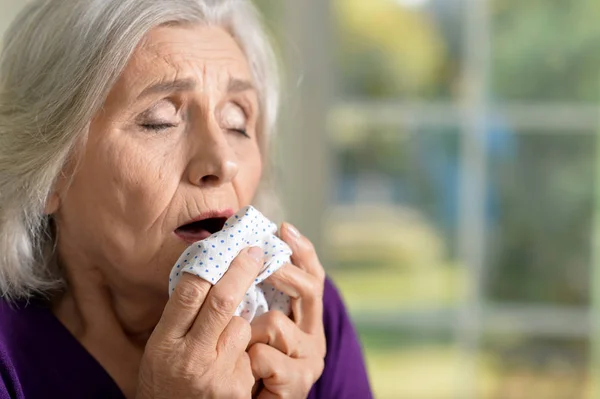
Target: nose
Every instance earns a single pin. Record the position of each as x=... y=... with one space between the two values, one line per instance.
x=214 y=162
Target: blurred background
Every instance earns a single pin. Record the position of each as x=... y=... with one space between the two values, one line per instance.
x=444 y=157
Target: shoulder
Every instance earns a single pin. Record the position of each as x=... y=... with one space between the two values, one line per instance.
x=39 y=358
x=21 y=324
x=345 y=374
x=337 y=322
x=335 y=315
x=28 y=332
x=332 y=300
x=15 y=327
x=14 y=335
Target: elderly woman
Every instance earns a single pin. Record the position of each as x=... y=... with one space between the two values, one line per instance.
x=128 y=130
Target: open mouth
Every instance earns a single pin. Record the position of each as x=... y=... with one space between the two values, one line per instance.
x=201 y=229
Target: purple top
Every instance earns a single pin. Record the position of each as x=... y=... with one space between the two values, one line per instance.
x=39 y=358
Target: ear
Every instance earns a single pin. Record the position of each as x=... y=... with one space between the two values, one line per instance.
x=52 y=203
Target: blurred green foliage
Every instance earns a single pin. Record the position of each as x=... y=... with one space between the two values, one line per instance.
x=540 y=193
x=546 y=50
x=541 y=183
x=540 y=248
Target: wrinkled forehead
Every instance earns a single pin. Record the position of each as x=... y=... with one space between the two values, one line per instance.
x=209 y=55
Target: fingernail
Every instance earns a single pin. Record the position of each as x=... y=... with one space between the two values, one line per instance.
x=292 y=230
x=256 y=254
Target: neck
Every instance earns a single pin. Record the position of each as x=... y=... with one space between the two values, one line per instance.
x=111 y=325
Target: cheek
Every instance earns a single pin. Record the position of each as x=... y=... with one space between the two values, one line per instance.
x=145 y=179
x=122 y=187
x=248 y=178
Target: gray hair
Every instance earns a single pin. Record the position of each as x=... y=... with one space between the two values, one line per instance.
x=59 y=62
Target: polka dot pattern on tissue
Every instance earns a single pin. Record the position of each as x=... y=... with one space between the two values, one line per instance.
x=211 y=258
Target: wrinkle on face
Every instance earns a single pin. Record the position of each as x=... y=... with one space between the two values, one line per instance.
x=132 y=188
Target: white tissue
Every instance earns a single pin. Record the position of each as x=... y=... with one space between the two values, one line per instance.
x=211 y=257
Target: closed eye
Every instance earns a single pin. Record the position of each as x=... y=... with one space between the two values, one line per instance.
x=158 y=126
x=232 y=117
x=243 y=132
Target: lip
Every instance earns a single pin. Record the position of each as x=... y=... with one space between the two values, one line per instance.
x=227 y=213
x=191 y=238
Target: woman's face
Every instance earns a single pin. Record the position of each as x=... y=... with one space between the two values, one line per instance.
x=176 y=141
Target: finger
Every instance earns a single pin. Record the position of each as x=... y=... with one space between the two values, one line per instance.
x=234 y=339
x=223 y=299
x=282 y=376
x=304 y=254
x=277 y=330
x=270 y=364
x=244 y=371
x=183 y=306
x=306 y=293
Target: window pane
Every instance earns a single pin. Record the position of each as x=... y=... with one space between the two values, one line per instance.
x=403 y=48
x=545 y=50
x=392 y=230
x=415 y=364
x=524 y=367
x=541 y=193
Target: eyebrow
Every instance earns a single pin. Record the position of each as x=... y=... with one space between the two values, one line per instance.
x=234 y=86
x=238 y=86
x=169 y=87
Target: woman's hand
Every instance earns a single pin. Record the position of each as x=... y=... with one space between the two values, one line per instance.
x=288 y=355
x=198 y=348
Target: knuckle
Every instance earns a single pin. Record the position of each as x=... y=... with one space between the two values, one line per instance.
x=189 y=294
x=277 y=322
x=274 y=316
x=311 y=288
x=222 y=303
x=276 y=325
x=255 y=352
x=315 y=283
